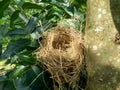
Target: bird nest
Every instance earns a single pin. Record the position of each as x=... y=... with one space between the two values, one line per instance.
x=62 y=52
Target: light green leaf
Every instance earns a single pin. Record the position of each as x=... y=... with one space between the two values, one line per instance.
x=16 y=72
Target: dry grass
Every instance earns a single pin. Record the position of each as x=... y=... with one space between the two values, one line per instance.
x=63 y=53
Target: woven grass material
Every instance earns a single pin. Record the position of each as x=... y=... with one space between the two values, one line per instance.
x=62 y=52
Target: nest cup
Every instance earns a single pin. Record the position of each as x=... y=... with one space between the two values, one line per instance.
x=62 y=52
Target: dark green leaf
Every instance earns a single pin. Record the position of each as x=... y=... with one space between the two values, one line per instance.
x=2 y=78
x=0 y=42
x=15 y=47
x=14 y=16
x=13 y=84
x=61 y=1
x=24 y=59
x=37 y=78
x=3 y=29
x=34 y=47
x=68 y=12
x=45 y=26
x=31 y=24
x=46 y=1
x=64 y=10
x=7 y=85
x=28 y=5
x=56 y=12
x=16 y=33
x=20 y=85
x=3 y=6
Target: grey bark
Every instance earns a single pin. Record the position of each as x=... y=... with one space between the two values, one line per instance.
x=103 y=54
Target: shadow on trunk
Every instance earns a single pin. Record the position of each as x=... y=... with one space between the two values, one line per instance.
x=108 y=79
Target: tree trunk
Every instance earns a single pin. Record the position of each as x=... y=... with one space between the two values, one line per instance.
x=103 y=53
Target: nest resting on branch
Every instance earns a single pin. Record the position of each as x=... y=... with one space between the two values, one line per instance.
x=62 y=52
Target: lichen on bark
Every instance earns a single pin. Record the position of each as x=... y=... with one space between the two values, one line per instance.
x=103 y=54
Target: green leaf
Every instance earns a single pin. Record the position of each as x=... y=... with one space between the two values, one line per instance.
x=3 y=6
x=16 y=33
x=37 y=78
x=17 y=71
x=31 y=24
x=58 y=12
x=46 y=1
x=24 y=59
x=15 y=47
x=0 y=42
x=20 y=85
x=62 y=1
x=13 y=84
x=80 y=4
x=57 y=9
x=14 y=16
x=46 y=24
x=2 y=78
x=68 y=12
x=27 y=78
x=63 y=9
x=28 y=5
x=7 y=85
x=0 y=48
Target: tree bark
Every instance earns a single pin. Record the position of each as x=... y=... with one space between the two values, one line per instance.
x=103 y=54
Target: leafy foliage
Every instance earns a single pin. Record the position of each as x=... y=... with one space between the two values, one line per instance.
x=21 y=25
x=28 y=5
x=4 y=4
x=0 y=43
x=14 y=47
x=14 y=16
